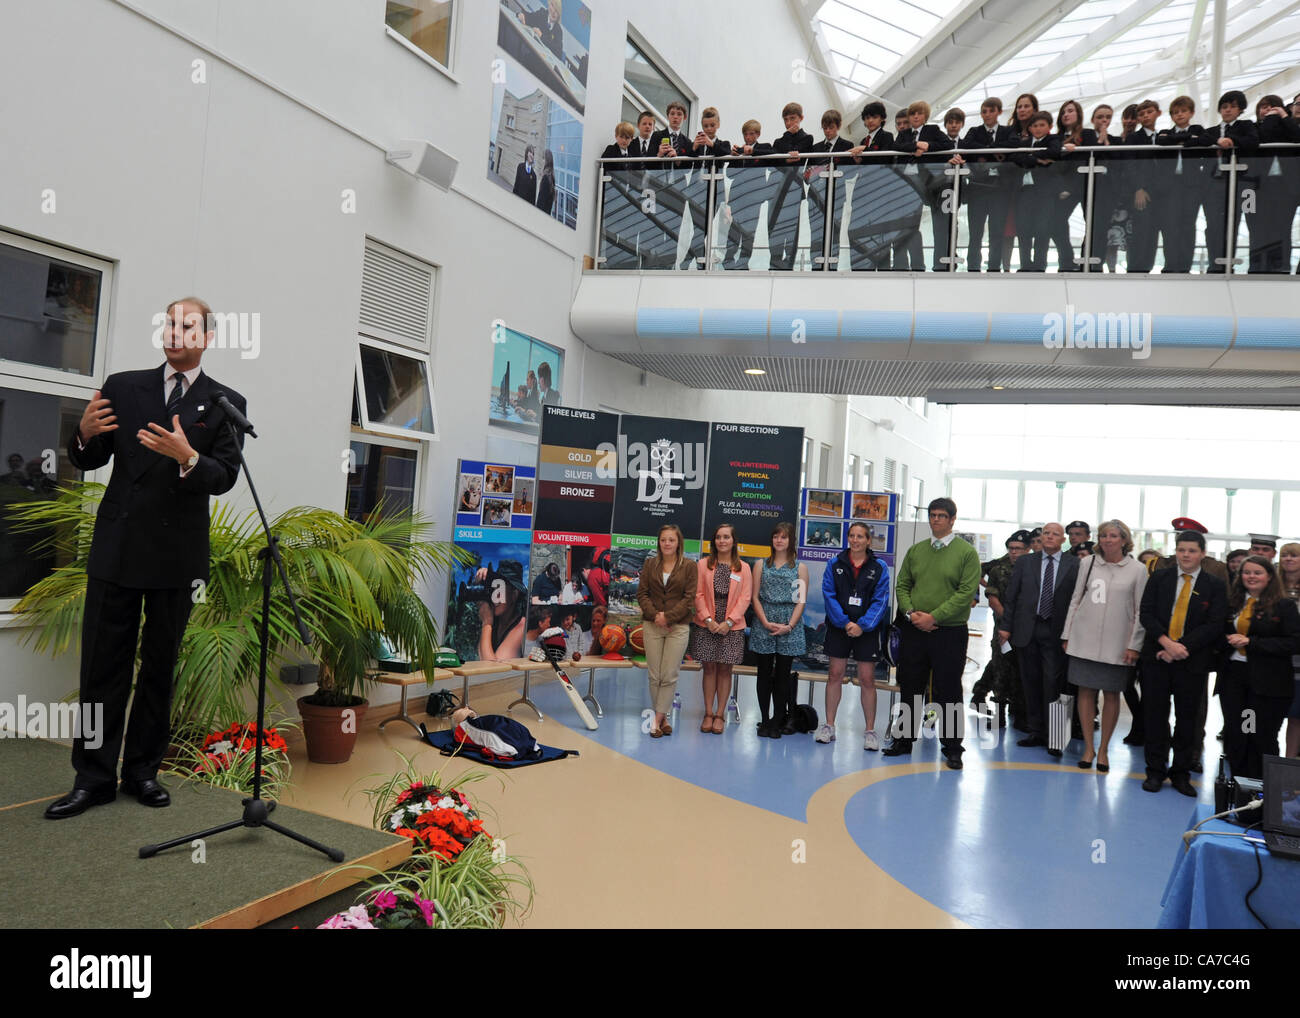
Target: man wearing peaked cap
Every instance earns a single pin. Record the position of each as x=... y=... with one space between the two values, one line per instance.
x=1001 y=677
x=1264 y=544
x=1077 y=532
x=1036 y=539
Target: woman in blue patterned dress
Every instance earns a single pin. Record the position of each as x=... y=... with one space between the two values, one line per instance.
x=780 y=588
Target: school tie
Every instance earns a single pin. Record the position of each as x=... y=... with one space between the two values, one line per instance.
x=1049 y=589
x=1180 y=609
x=177 y=394
x=938 y=545
x=1243 y=621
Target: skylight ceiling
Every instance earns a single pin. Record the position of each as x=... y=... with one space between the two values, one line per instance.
x=1119 y=51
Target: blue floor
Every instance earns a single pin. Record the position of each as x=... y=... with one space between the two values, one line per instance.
x=995 y=847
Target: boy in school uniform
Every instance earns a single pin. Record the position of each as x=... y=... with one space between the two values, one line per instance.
x=668 y=179
x=706 y=147
x=1231 y=134
x=746 y=195
x=1181 y=187
x=1143 y=174
x=622 y=219
x=1037 y=191
x=988 y=193
x=819 y=180
x=922 y=141
x=875 y=194
x=953 y=121
x=1279 y=189
x=787 y=195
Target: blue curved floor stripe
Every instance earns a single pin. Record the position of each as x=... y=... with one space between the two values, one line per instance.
x=1022 y=849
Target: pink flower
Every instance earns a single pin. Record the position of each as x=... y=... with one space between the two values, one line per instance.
x=384 y=900
x=354 y=918
x=426 y=909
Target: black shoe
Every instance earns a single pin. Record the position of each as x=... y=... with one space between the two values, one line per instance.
x=764 y=729
x=787 y=726
x=1054 y=752
x=1220 y=735
x=899 y=748
x=78 y=801
x=147 y=792
x=1032 y=740
x=1183 y=784
x=1199 y=766
x=953 y=761
x=1018 y=725
x=1152 y=783
x=1133 y=740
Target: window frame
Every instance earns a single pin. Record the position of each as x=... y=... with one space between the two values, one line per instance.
x=99 y=361
x=365 y=437
x=656 y=60
x=453 y=38
x=389 y=430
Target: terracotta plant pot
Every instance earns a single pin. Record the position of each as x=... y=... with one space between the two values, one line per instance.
x=323 y=728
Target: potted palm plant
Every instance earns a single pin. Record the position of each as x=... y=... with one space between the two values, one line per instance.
x=352 y=579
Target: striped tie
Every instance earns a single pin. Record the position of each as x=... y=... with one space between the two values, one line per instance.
x=177 y=394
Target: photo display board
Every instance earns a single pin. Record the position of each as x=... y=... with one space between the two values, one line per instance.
x=753 y=482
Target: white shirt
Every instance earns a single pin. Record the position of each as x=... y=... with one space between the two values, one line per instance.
x=943 y=541
x=1237 y=655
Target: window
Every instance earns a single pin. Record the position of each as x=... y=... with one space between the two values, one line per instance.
x=383 y=477
x=1002 y=502
x=803 y=463
x=646 y=86
x=824 y=474
x=916 y=495
x=1209 y=506
x=1252 y=512
x=1160 y=505
x=1080 y=503
x=1122 y=502
x=51 y=323
x=53 y=336
x=1041 y=503
x=867 y=468
x=394 y=392
x=851 y=473
x=968 y=493
x=425 y=25
x=902 y=482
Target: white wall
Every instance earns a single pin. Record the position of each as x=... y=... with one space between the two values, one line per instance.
x=232 y=189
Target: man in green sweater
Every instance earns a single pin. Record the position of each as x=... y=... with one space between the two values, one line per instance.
x=936 y=584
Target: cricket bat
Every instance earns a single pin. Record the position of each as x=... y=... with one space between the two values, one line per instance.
x=575 y=696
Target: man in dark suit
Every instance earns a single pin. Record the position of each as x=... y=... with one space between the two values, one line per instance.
x=545 y=23
x=526 y=178
x=923 y=141
x=706 y=149
x=171 y=452
x=1033 y=615
x=1232 y=134
x=667 y=178
x=1183 y=612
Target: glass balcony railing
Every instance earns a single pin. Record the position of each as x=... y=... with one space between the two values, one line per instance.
x=1133 y=209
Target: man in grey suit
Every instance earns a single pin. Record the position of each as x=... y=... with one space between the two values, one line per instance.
x=1033 y=616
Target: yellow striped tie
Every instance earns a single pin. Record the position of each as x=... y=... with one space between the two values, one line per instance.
x=1180 y=609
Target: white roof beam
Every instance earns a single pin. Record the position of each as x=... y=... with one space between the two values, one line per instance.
x=1132 y=15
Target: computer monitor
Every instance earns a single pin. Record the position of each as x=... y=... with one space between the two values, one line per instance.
x=1282 y=795
x=504 y=395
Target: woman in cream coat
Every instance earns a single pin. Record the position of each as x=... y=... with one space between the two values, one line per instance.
x=1103 y=633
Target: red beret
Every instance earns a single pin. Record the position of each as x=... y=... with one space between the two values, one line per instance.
x=1187 y=523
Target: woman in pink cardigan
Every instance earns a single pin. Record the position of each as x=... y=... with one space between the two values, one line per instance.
x=722 y=595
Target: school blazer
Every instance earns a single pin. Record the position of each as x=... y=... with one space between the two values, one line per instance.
x=676 y=599
x=1274 y=636
x=1206 y=610
x=738 y=600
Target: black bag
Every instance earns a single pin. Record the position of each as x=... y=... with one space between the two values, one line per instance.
x=804 y=718
x=441 y=703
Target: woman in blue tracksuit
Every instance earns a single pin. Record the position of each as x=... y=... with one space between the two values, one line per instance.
x=855 y=588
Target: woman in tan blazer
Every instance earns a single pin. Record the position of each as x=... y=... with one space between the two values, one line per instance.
x=666 y=595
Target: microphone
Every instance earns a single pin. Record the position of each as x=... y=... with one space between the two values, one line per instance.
x=240 y=421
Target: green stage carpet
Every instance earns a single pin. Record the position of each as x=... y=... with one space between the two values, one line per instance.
x=85 y=872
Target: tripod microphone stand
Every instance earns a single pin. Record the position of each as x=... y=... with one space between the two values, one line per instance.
x=256 y=809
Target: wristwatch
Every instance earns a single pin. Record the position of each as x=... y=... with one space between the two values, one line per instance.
x=190 y=463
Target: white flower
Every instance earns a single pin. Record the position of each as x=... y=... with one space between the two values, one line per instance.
x=447 y=802
x=224 y=746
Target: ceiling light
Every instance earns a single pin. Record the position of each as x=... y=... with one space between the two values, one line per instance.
x=755 y=371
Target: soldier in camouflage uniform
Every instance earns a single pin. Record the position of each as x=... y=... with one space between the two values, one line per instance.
x=1001 y=676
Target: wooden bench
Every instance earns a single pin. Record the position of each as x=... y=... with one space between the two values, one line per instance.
x=406 y=680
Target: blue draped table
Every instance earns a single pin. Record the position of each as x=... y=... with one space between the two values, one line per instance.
x=1207 y=888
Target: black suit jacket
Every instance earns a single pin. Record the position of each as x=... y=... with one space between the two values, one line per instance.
x=1020 y=603
x=526 y=183
x=882 y=142
x=1274 y=636
x=151 y=531
x=552 y=35
x=1206 y=611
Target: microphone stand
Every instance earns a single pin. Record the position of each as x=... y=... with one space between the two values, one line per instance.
x=256 y=809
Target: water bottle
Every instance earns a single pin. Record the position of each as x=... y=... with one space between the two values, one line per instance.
x=677 y=706
x=733 y=709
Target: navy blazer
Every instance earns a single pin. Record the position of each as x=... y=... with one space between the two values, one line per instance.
x=1020 y=603
x=1274 y=636
x=1203 y=627
x=151 y=531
